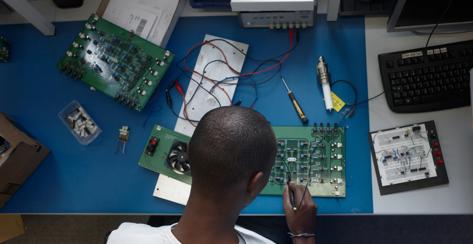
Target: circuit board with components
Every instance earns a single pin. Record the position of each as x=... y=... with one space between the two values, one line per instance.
x=157 y=155
x=4 y=50
x=116 y=62
x=408 y=158
x=312 y=156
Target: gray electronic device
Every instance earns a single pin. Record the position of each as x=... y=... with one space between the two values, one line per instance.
x=276 y=14
x=423 y=15
x=278 y=19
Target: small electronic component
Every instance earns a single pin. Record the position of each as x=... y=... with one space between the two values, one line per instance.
x=123 y=134
x=152 y=145
x=79 y=122
x=324 y=78
x=4 y=50
x=116 y=62
x=407 y=158
x=177 y=158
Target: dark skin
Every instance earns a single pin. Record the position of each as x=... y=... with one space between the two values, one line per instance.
x=211 y=218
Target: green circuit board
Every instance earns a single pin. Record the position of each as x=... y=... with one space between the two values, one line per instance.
x=309 y=155
x=313 y=155
x=156 y=160
x=116 y=62
x=4 y=50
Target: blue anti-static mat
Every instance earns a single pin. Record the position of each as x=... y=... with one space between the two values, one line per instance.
x=93 y=179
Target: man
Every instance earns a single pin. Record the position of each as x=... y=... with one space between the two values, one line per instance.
x=231 y=154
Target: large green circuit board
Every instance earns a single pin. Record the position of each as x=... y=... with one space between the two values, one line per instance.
x=313 y=155
x=116 y=62
x=309 y=155
x=4 y=50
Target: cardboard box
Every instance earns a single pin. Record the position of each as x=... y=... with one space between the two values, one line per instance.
x=10 y=226
x=19 y=157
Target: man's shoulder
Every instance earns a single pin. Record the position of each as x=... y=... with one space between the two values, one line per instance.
x=251 y=236
x=142 y=233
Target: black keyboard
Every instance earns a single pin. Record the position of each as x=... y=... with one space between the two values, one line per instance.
x=427 y=79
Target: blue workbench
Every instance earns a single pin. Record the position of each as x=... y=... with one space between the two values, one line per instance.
x=94 y=179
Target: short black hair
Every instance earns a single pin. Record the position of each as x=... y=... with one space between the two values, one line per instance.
x=228 y=145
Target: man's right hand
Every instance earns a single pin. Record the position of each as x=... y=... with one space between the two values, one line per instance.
x=301 y=220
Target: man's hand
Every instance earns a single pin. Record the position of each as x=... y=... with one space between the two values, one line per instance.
x=301 y=220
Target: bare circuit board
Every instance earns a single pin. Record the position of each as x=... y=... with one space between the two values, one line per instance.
x=4 y=50
x=306 y=155
x=116 y=62
x=407 y=158
x=310 y=155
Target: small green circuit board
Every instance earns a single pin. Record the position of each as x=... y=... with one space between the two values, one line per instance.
x=313 y=155
x=4 y=50
x=116 y=62
x=156 y=160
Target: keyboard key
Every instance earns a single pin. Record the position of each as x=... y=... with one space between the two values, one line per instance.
x=398 y=101
x=428 y=99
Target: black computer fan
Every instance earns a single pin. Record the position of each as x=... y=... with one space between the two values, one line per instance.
x=177 y=158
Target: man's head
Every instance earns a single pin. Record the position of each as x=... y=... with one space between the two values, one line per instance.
x=232 y=151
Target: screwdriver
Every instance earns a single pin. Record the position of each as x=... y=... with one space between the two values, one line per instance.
x=297 y=107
